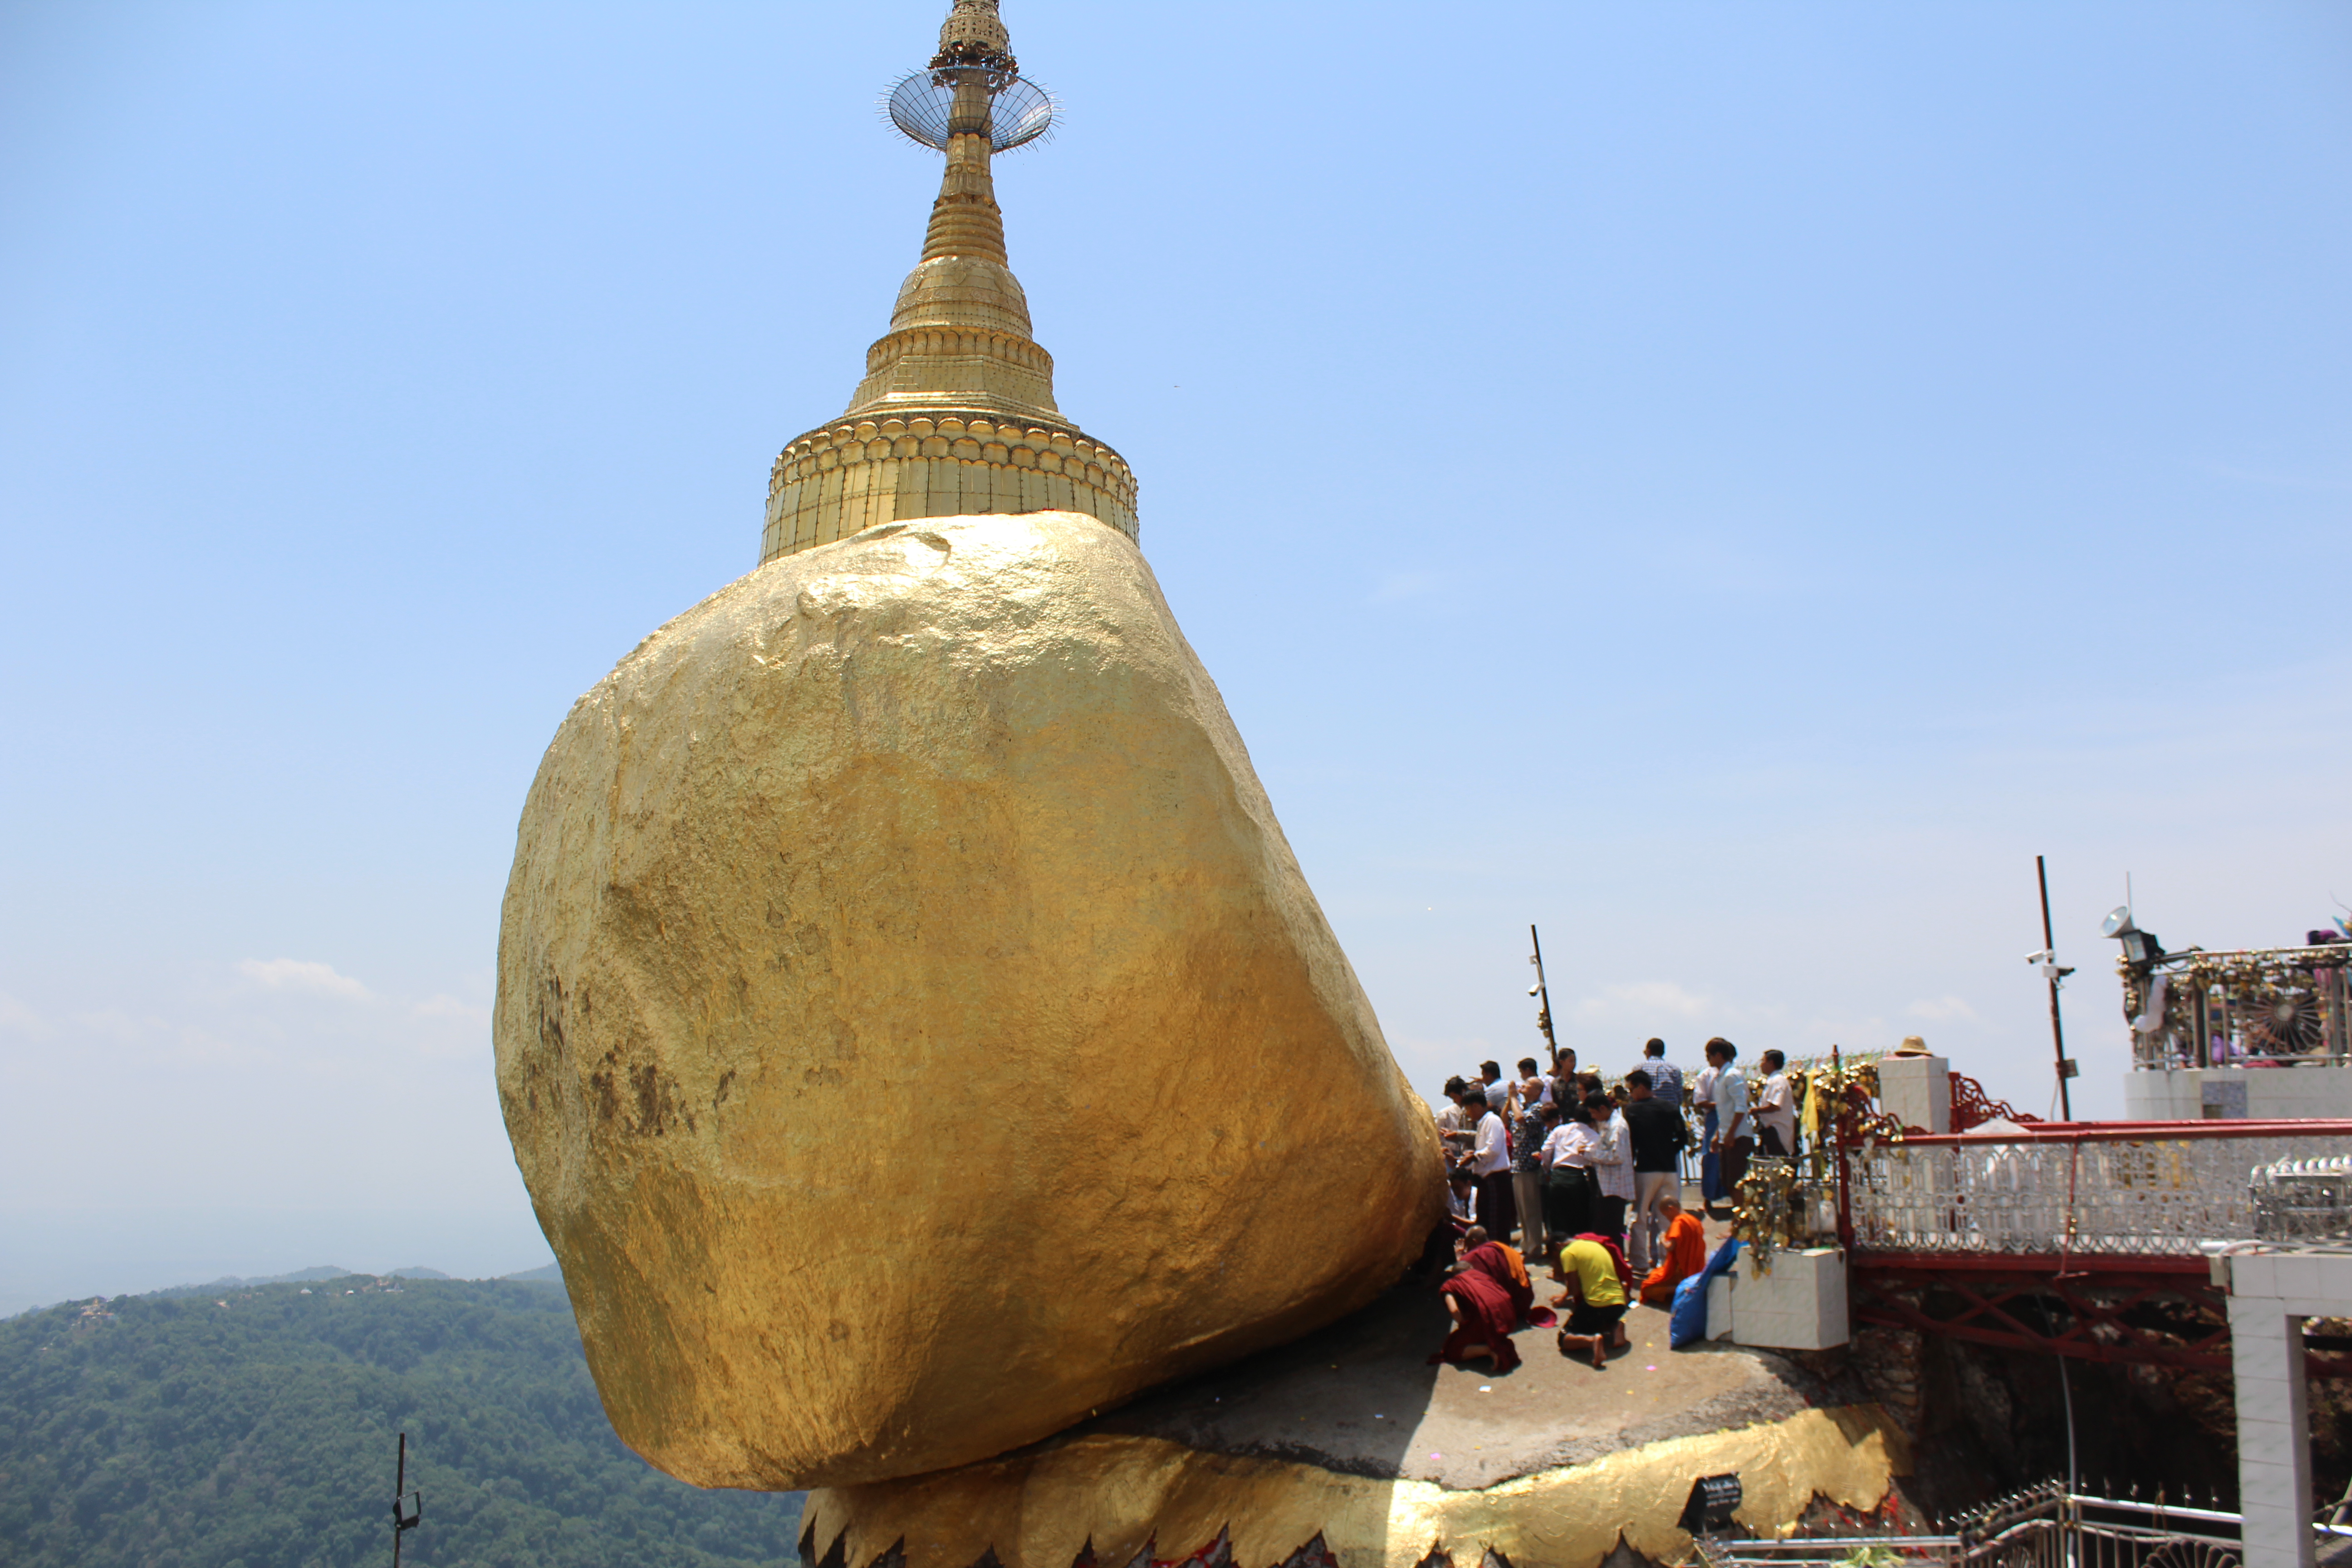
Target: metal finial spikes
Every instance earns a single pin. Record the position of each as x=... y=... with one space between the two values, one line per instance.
x=921 y=106
x=972 y=86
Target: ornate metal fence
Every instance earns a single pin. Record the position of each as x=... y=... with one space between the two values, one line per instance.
x=2049 y=1527
x=2279 y=1005
x=2121 y=1189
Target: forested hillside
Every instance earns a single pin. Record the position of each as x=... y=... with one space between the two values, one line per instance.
x=254 y=1428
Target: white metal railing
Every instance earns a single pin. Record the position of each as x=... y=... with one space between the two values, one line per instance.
x=2134 y=1189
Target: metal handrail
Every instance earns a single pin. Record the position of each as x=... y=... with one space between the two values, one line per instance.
x=2049 y=1526
x=2148 y=1189
x=2132 y=1132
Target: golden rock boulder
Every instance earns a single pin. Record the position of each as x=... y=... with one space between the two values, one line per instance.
x=913 y=1028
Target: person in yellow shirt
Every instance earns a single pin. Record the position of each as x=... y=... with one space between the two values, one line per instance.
x=1595 y=1298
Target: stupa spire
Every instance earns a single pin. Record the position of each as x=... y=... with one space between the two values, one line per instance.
x=966 y=220
x=974 y=34
x=956 y=413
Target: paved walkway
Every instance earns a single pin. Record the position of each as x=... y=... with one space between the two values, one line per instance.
x=1359 y=1396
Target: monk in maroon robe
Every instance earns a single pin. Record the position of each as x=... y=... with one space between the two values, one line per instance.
x=1482 y=1307
x=1508 y=1270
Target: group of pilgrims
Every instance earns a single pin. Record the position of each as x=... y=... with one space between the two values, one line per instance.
x=1587 y=1176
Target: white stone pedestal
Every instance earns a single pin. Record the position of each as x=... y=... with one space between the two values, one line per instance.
x=2258 y=1094
x=1799 y=1306
x=1917 y=1092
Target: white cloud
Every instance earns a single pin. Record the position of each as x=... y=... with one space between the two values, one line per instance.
x=120 y=1027
x=16 y=1018
x=1645 y=1000
x=152 y=1037
x=1942 y=1010
x=301 y=975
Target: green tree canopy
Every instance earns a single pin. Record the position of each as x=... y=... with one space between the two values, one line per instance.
x=258 y=1427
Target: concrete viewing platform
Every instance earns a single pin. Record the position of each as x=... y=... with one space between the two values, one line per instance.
x=1360 y=1398
x=1350 y=1437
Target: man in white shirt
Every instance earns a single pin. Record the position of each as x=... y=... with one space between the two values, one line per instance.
x=1775 y=1108
x=1454 y=1122
x=1702 y=1099
x=1612 y=1169
x=1490 y=1163
x=1462 y=1199
x=1735 y=1135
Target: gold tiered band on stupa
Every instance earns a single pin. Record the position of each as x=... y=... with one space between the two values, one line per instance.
x=956 y=415
x=833 y=482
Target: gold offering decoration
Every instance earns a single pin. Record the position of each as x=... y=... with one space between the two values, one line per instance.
x=2200 y=1009
x=1768 y=1211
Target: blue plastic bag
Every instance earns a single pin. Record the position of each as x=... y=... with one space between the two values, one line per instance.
x=1686 y=1322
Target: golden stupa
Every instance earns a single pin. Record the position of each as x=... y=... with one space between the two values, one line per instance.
x=956 y=415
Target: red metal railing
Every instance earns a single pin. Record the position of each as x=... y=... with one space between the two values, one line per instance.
x=2082 y=1239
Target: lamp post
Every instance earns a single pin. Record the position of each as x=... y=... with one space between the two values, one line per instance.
x=1543 y=997
x=2054 y=973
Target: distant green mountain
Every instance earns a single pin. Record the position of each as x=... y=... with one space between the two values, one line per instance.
x=231 y=1282
x=254 y=1427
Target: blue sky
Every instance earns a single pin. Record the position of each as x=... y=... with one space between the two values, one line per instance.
x=1729 y=482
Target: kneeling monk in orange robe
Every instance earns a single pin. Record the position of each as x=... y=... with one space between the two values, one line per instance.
x=1685 y=1254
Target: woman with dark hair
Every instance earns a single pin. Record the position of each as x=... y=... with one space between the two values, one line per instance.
x=1613 y=1166
x=1568 y=1151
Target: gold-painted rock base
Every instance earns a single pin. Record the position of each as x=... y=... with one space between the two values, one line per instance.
x=1118 y=1494
x=913 y=1028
